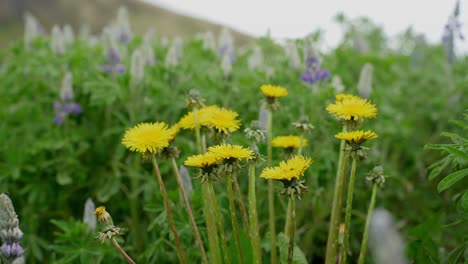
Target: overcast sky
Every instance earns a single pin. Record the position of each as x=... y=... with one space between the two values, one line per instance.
x=296 y=18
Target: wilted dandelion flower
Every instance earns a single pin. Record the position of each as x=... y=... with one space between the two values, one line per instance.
x=353 y=109
x=230 y=152
x=356 y=137
x=102 y=215
x=289 y=142
x=148 y=138
x=272 y=91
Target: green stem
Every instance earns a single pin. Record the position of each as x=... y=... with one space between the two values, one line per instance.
x=271 y=201
x=232 y=208
x=240 y=201
x=134 y=208
x=219 y=220
x=365 y=237
x=335 y=216
x=157 y=172
x=349 y=207
x=292 y=227
x=253 y=217
x=286 y=225
x=189 y=212
x=208 y=208
x=122 y=252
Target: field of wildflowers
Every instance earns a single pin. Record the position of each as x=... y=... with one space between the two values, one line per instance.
x=121 y=148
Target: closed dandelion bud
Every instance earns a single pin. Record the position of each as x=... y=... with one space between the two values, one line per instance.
x=66 y=90
x=194 y=99
x=88 y=216
x=10 y=234
x=57 y=43
x=254 y=133
x=109 y=231
x=137 y=67
x=68 y=35
x=385 y=242
x=209 y=41
x=303 y=125
x=365 y=81
x=256 y=58
x=226 y=66
x=376 y=176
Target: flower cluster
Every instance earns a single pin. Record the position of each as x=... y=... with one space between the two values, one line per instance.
x=113 y=64
x=219 y=161
x=66 y=105
x=10 y=234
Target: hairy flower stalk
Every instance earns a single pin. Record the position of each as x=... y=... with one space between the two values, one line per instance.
x=240 y=201
x=253 y=218
x=219 y=221
x=232 y=208
x=189 y=212
x=180 y=251
x=365 y=236
x=349 y=207
x=10 y=234
x=292 y=228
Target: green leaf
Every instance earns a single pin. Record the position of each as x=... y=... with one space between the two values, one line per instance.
x=455 y=254
x=283 y=244
x=451 y=179
x=464 y=201
x=438 y=167
x=456 y=152
x=455 y=138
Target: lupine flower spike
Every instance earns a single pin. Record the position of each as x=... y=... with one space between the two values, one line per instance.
x=11 y=251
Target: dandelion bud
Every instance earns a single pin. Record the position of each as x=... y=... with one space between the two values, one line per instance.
x=376 y=176
x=209 y=41
x=66 y=91
x=303 y=125
x=194 y=99
x=88 y=216
x=385 y=241
x=57 y=43
x=256 y=58
x=365 y=81
x=137 y=67
x=255 y=133
x=10 y=234
x=226 y=65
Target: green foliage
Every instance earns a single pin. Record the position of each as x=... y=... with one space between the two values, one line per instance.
x=50 y=170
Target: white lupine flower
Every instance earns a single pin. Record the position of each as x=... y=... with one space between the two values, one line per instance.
x=88 y=215
x=148 y=54
x=66 y=90
x=171 y=57
x=68 y=35
x=293 y=55
x=31 y=29
x=337 y=84
x=386 y=243
x=57 y=43
x=137 y=66
x=365 y=81
x=209 y=41
x=226 y=65
x=256 y=58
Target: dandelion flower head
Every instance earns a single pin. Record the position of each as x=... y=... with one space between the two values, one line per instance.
x=293 y=168
x=201 y=161
x=188 y=121
x=222 y=120
x=340 y=97
x=102 y=214
x=272 y=91
x=148 y=137
x=233 y=152
x=289 y=142
x=352 y=108
x=356 y=137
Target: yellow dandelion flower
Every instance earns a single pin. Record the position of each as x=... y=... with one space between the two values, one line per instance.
x=201 y=160
x=188 y=121
x=272 y=91
x=174 y=130
x=356 y=137
x=102 y=214
x=148 y=137
x=289 y=142
x=227 y=151
x=222 y=120
x=293 y=168
x=353 y=108
x=341 y=97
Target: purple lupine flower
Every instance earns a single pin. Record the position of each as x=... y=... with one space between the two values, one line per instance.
x=10 y=234
x=62 y=110
x=312 y=77
x=113 y=62
x=312 y=62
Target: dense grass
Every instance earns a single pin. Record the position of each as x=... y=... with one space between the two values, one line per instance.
x=50 y=170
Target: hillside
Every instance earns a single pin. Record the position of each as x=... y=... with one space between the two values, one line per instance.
x=97 y=13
